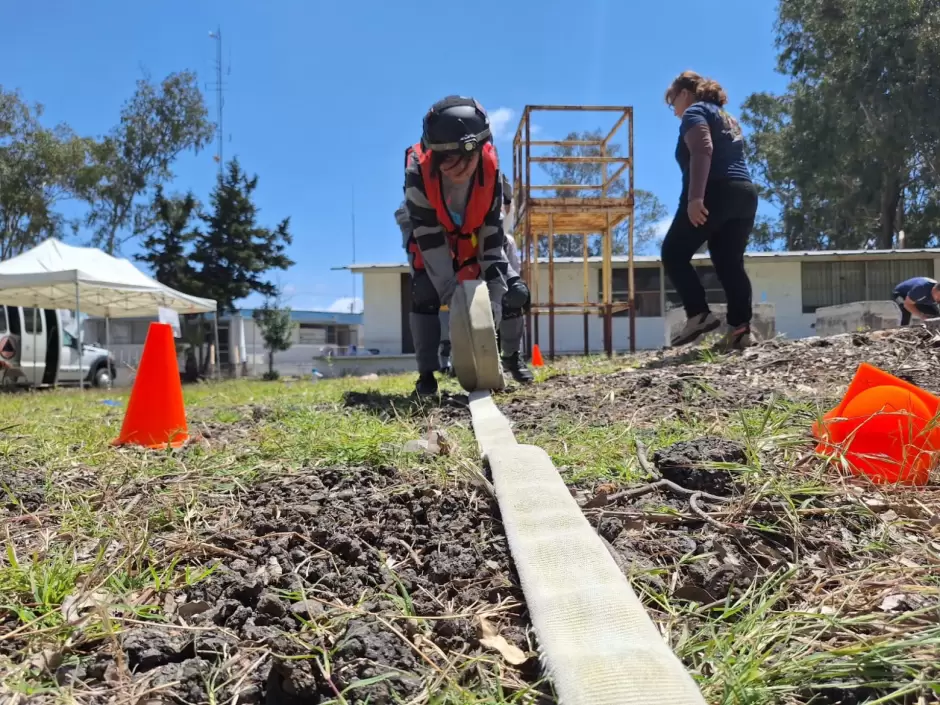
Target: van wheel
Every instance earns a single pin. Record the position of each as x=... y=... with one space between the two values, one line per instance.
x=102 y=378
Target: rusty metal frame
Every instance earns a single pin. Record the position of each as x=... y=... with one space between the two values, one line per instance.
x=551 y=215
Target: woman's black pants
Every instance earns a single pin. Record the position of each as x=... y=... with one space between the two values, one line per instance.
x=732 y=207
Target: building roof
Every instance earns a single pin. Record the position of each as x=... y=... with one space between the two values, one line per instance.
x=324 y=317
x=654 y=259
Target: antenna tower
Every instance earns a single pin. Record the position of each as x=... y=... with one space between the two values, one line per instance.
x=219 y=87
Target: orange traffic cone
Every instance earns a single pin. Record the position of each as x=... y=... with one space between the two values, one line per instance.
x=537 y=360
x=884 y=427
x=155 y=414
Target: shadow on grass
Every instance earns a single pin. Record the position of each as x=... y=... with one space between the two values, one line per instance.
x=409 y=406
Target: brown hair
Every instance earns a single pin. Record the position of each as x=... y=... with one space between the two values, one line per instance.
x=704 y=89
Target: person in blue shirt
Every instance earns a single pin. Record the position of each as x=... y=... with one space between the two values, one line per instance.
x=918 y=296
x=717 y=205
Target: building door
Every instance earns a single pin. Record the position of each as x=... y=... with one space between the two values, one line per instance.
x=407 y=344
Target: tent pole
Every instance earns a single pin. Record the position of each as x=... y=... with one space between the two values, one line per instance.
x=36 y=382
x=78 y=333
x=107 y=346
x=218 y=356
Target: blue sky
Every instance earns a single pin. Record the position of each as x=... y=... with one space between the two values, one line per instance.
x=323 y=97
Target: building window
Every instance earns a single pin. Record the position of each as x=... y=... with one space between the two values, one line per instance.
x=331 y=335
x=311 y=334
x=841 y=282
x=139 y=332
x=122 y=332
x=648 y=289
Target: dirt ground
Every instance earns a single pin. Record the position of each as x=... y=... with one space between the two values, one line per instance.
x=663 y=385
x=347 y=581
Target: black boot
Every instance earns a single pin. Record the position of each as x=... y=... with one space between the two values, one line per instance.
x=515 y=365
x=426 y=386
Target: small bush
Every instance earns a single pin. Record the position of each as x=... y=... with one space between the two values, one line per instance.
x=271 y=376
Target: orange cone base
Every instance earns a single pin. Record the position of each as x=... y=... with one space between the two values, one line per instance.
x=156 y=416
x=537 y=360
x=885 y=429
x=178 y=440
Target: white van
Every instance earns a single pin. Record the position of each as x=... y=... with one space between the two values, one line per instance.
x=37 y=350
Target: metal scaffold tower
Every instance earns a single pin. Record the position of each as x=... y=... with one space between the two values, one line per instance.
x=602 y=207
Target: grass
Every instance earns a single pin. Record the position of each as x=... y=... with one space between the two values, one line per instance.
x=97 y=535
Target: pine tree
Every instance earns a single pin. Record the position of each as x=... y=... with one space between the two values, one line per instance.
x=166 y=247
x=235 y=252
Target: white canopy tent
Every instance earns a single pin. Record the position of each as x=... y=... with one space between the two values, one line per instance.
x=54 y=275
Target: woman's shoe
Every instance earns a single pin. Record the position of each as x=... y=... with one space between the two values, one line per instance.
x=736 y=338
x=695 y=327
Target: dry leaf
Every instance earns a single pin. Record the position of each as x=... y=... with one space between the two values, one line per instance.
x=599 y=500
x=74 y=606
x=893 y=603
x=492 y=640
x=46 y=660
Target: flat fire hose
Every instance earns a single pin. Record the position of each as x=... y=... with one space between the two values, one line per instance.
x=473 y=338
x=598 y=644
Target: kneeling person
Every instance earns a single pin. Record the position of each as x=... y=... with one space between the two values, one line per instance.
x=453 y=197
x=919 y=297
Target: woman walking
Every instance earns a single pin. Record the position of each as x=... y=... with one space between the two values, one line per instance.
x=718 y=206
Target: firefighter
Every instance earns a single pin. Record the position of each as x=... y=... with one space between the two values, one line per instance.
x=453 y=211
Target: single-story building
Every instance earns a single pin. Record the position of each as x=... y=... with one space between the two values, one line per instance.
x=796 y=283
x=318 y=335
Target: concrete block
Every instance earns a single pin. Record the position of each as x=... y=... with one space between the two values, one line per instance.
x=856 y=317
x=763 y=320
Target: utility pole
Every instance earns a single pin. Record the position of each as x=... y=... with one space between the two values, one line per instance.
x=352 y=304
x=219 y=97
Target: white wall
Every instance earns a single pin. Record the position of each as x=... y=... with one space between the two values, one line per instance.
x=776 y=281
x=381 y=315
x=300 y=359
x=780 y=283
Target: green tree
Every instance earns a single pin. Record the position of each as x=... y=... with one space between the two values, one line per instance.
x=39 y=168
x=234 y=253
x=850 y=153
x=167 y=247
x=227 y=260
x=157 y=124
x=166 y=251
x=648 y=210
x=277 y=329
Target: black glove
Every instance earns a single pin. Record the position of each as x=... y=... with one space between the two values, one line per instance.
x=517 y=295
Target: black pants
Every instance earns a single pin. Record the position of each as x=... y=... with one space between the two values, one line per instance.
x=906 y=315
x=732 y=207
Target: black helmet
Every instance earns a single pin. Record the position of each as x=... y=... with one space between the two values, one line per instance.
x=456 y=125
